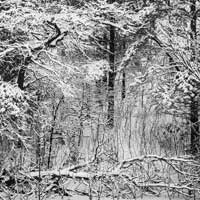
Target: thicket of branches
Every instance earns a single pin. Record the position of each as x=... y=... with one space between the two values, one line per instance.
x=99 y=98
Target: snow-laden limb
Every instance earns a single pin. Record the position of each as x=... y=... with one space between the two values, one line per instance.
x=169 y=161
x=14 y=105
x=175 y=159
x=132 y=51
x=145 y=174
x=34 y=29
x=3 y=53
x=89 y=176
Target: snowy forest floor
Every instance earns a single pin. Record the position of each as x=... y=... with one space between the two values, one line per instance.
x=79 y=197
x=146 y=177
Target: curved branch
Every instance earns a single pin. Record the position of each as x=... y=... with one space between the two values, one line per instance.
x=51 y=42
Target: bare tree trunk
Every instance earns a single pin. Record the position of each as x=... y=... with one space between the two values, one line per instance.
x=111 y=76
x=55 y=111
x=50 y=145
x=124 y=76
x=194 y=126
x=20 y=80
x=123 y=84
x=21 y=74
x=194 y=102
x=39 y=167
x=101 y=85
x=81 y=115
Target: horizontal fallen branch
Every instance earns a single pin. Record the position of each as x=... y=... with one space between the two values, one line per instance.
x=123 y=174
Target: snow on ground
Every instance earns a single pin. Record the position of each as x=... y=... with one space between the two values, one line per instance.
x=79 y=197
x=76 y=197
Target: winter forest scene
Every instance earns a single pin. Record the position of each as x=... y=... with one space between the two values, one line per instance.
x=99 y=99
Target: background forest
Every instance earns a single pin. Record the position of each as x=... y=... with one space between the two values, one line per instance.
x=99 y=98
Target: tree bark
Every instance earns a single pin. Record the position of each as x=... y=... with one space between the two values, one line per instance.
x=21 y=77
x=55 y=111
x=22 y=71
x=123 y=84
x=111 y=76
x=194 y=102
x=124 y=75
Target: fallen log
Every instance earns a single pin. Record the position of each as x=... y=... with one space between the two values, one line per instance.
x=119 y=177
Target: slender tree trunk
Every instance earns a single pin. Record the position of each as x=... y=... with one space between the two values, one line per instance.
x=55 y=110
x=39 y=167
x=123 y=84
x=124 y=76
x=50 y=145
x=194 y=102
x=80 y=136
x=111 y=76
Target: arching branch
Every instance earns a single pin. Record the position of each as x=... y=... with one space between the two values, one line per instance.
x=58 y=36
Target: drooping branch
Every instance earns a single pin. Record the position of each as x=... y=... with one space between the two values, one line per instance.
x=50 y=43
x=58 y=36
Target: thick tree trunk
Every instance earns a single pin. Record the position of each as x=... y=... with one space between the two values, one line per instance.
x=21 y=77
x=194 y=102
x=194 y=126
x=101 y=85
x=21 y=74
x=111 y=76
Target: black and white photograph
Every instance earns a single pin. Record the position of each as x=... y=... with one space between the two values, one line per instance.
x=99 y=99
